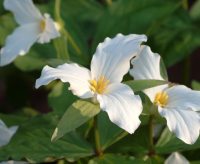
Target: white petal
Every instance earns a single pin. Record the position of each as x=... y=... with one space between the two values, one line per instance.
x=23 y=10
x=6 y=133
x=185 y=123
x=183 y=97
x=147 y=66
x=50 y=31
x=19 y=43
x=122 y=106
x=112 y=57
x=176 y=158
x=77 y=76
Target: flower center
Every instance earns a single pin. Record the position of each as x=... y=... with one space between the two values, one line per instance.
x=161 y=99
x=99 y=86
x=42 y=25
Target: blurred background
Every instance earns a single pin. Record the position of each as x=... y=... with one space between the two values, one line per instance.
x=172 y=27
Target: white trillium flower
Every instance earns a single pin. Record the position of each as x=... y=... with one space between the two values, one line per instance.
x=103 y=83
x=178 y=104
x=6 y=133
x=34 y=27
x=176 y=158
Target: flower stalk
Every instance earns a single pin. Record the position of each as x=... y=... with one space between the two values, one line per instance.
x=151 y=142
x=98 y=150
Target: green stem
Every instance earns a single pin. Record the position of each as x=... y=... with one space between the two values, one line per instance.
x=99 y=151
x=73 y=43
x=151 y=142
x=64 y=30
x=57 y=9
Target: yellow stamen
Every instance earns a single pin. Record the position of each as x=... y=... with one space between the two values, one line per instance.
x=42 y=25
x=161 y=99
x=99 y=86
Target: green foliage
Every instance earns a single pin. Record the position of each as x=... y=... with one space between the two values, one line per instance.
x=32 y=141
x=77 y=114
x=168 y=143
x=139 y=85
x=60 y=98
x=115 y=159
x=195 y=85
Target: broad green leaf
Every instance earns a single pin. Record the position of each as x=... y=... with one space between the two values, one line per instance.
x=115 y=159
x=195 y=85
x=32 y=141
x=168 y=143
x=136 y=143
x=140 y=85
x=109 y=132
x=76 y=115
x=11 y=120
x=60 y=98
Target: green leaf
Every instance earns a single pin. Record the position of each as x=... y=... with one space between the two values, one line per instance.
x=60 y=98
x=169 y=143
x=140 y=85
x=115 y=159
x=76 y=115
x=195 y=85
x=32 y=141
x=109 y=132
x=137 y=143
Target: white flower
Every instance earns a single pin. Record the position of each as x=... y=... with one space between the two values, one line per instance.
x=178 y=104
x=33 y=28
x=6 y=133
x=103 y=83
x=176 y=158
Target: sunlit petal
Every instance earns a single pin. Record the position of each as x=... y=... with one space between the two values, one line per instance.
x=77 y=76
x=146 y=65
x=112 y=57
x=122 y=106
x=185 y=123
x=183 y=97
